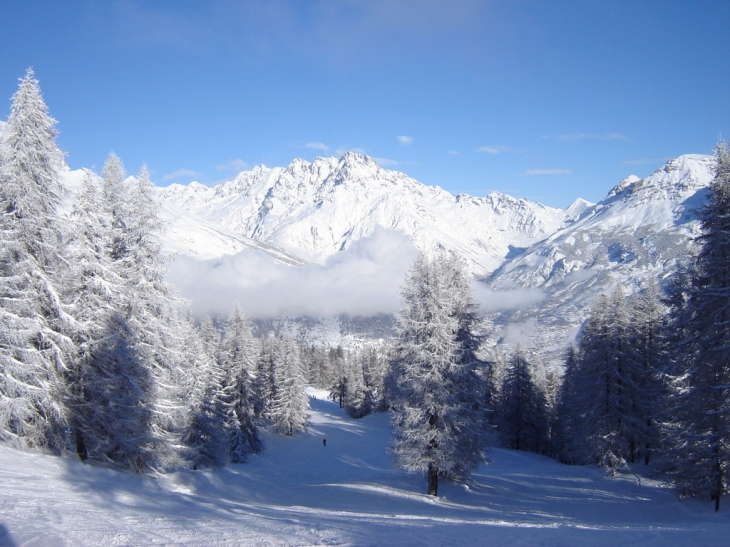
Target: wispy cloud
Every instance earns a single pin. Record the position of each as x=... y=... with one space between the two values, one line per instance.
x=182 y=173
x=405 y=140
x=236 y=165
x=494 y=150
x=364 y=279
x=589 y=136
x=317 y=146
x=645 y=162
x=340 y=32
x=549 y=171
x=454 y=153
x=342 y=150
x=385 y=162
x=490 y=300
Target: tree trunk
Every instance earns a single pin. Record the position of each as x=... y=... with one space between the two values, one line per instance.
x=433 y=480
x=81 y=445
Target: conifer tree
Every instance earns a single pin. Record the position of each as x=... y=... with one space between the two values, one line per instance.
x=606 y=407
x=523 y=409
x=437 y=412
x=206 y=436
x=238 y=356
x=567 y=420
x=697 y=425
x=287 y=411
x=34 y=326
x=105 y=384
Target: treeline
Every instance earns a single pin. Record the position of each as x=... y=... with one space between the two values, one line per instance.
x=100 y=360
x=649 y=379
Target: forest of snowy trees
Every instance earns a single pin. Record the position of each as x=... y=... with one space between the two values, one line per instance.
x=99 y=360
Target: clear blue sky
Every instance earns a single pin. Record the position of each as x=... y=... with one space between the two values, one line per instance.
x=549 y=100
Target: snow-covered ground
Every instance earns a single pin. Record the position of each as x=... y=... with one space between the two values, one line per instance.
x=300 y=492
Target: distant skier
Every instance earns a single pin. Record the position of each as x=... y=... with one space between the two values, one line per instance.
x=324 y=442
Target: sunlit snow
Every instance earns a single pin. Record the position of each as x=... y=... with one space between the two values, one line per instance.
x=299 y=492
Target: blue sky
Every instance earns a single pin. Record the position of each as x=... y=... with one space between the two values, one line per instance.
x=548 y=100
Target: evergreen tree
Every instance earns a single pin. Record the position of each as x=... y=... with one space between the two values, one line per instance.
x=523 y=409
x=608 y=401
x=597 y=407
x=206 y=434
x=238 y=359
x=567 y=421
x=697 y=426
x=100 y=386
x=34 y=326
x=156 y=327
x=437 y=413
x=356 y=400
x=287 y=411
x=648 y=353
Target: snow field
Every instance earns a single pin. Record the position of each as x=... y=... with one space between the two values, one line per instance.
x=300 y=493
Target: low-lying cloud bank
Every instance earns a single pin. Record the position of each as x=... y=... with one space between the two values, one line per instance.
x=364 y=280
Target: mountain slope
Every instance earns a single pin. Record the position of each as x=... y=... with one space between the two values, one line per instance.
x=640 y=230
x=184 y=232
x=299 y=492
x=317 y=209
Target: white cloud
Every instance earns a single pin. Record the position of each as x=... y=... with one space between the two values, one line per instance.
x=645 y=162
x=490 y=300
x=362 y=280
x=494 y=150
x=405 y=140
x=454 y=153
x=182 y=173
x=549 y=171
x=317 y=146
x=591 y=136
x=385 y=162
x=342 y=150
x=236 y=165
x=519 y=333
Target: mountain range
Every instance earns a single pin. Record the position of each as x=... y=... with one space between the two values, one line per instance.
x=539 y=268
x=317 y=209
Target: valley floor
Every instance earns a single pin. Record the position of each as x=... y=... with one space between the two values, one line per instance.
x=301 y=493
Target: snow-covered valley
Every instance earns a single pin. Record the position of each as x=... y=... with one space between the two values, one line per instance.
x=540 y=268
x=299 y=492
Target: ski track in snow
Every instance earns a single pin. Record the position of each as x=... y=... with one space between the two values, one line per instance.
x=301 y=493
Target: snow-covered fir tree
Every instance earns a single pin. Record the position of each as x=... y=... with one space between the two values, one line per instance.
x=697 y=422
x=205 y=434
x=238 y=357
x=438 y=411
x=524 y=422
x=356 y=401
x=108 y=387
x=35 y=345
x=565 y=441
x=287 y=410
x=607 y=402
x=647 y=340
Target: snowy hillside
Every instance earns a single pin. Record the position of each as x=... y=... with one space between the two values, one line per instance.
x=549 y=265
x=316 y=209
x=186 y=233
x=639 y=231
x=299 y=492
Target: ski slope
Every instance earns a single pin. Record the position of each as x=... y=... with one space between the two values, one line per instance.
x=301 y=493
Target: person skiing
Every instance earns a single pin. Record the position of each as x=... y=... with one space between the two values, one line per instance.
x=324 y=442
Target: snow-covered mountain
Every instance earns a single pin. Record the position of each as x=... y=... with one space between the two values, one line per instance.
x=550 y=263
x=640 y=230
x=185 y=233
x=317 y=209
